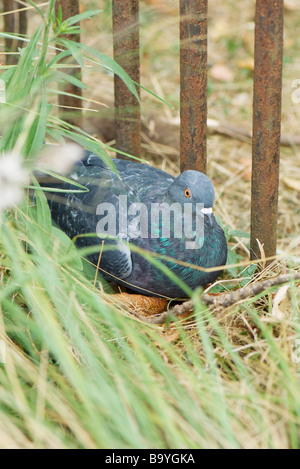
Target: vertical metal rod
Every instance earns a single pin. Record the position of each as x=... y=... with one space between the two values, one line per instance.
x=9 y=27
x=126 y=53
x=69 y=104
x=12 y=45
x=193 y=84
x=266 y=125
x=23 y=23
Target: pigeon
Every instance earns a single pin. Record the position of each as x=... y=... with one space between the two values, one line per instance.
x=154 y=234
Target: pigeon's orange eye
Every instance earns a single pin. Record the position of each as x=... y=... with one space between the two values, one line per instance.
x=187 y=193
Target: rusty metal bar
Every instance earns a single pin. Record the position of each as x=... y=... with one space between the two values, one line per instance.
x=193 y=84
x=126 y=53
x=22 y=26
x=9 y=27
x=70 y=111
x=266 y=125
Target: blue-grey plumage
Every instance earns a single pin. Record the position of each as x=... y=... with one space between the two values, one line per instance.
x=136 y=198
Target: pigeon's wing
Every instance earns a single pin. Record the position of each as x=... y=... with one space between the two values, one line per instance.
x=146 y=181
x=116 y=262
x=77 y=214
x=136 y=177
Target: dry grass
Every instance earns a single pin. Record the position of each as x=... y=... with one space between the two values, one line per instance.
x=231 y=29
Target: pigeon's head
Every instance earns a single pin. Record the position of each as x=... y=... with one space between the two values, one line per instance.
x=192 y=187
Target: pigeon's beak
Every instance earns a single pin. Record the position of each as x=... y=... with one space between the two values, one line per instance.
x=207 y=211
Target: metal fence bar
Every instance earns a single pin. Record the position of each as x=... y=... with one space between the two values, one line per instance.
x=22 y=25
x=266 y=125
x=70 y=105
x=9 y=26
x=193 y=84
x=126 y=53
x=13 y=26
